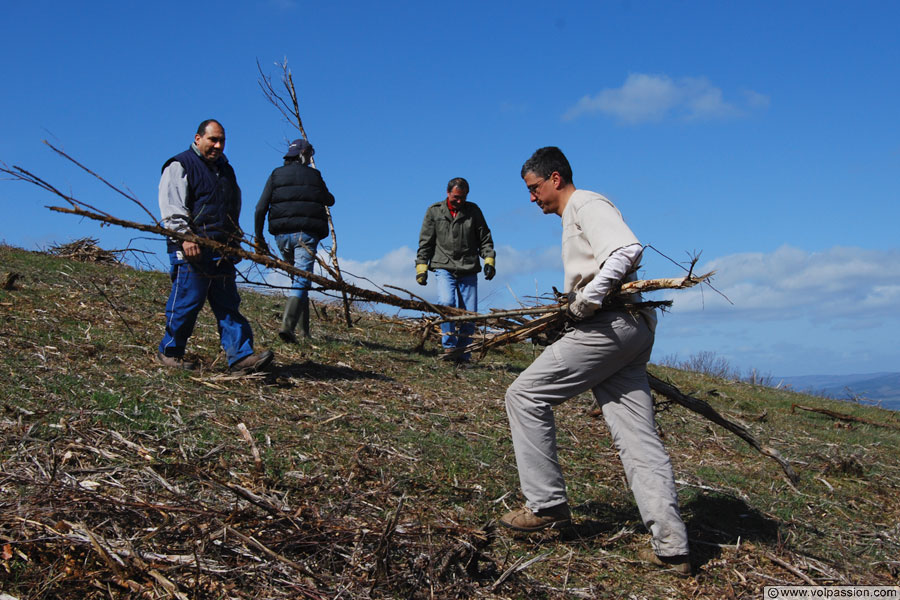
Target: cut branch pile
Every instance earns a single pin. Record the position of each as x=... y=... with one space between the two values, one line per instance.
x=515 y=327
x=86 y=250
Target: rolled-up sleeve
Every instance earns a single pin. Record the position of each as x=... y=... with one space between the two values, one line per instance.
x=621 y=262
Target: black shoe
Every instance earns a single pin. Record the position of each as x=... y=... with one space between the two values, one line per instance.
x=451 y=354
x=288 y=337
x=253 y=363
x=175 y=362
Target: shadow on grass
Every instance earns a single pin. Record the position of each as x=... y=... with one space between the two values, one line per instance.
x=400 y=348
x=714 y=519
x=711 y=520
x=313 y=370
x=594 y=519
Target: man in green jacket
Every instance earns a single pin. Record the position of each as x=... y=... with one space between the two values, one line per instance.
x=454 y=234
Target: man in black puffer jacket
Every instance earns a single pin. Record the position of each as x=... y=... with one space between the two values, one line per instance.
x=295 y=198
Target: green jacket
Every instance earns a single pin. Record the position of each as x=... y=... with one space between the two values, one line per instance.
x=454 y=244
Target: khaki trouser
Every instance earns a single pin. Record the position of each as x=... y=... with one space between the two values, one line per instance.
x=608 y=355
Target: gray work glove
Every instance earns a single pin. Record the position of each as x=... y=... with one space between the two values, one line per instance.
x=579 y=309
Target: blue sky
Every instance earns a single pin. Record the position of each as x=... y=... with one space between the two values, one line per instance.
x=763 y=135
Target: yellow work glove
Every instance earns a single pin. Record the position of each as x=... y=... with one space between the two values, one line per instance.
x=489 y=269
x=422 y=274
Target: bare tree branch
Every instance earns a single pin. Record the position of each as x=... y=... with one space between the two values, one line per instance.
x=130 y=196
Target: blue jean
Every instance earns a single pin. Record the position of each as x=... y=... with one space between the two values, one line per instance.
x=293 y=252
x=459 y=291
x=193 y=283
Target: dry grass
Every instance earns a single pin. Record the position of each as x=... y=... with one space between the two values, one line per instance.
x=380 y=470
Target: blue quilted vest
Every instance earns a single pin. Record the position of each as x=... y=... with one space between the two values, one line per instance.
x=213 y=199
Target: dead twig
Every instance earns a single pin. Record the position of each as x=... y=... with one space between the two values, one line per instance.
x=791 y=568
x=702 y=408
x=841 y=416
x=245 y=433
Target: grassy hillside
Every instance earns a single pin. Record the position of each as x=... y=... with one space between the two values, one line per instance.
x=379 y=472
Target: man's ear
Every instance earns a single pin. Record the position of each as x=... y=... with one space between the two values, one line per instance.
x=556 y=180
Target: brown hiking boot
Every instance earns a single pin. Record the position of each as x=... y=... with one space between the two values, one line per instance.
x=679 y=565
x=175 y=362
x=524 y=519
x=451 y=354
x=253 y=363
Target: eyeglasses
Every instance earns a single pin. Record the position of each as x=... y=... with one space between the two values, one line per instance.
x=534 y=186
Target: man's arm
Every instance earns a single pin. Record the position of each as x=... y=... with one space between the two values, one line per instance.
x=173 y=193
x=427 y=240
x=621 y=262
x=486 y=246
x=236 y=217
x=327 y=196
x=262 y=207
x=485 y=241
x=585 y=302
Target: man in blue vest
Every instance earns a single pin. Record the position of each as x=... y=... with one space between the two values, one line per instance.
x=199 y=194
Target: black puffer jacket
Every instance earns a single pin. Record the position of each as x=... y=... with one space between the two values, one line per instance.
x=295 y=197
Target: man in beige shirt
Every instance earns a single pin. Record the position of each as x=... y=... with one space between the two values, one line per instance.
x=603 y=350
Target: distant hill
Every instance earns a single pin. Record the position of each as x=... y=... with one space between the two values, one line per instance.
x=881 y=389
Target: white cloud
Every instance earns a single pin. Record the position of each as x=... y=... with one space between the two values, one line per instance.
x=397 y=267
x=515 y=270
x=644 y=98
x=526 y=262
x=837 y=283
x=755 y=99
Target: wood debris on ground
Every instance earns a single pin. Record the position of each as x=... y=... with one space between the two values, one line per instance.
x=86 y=250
